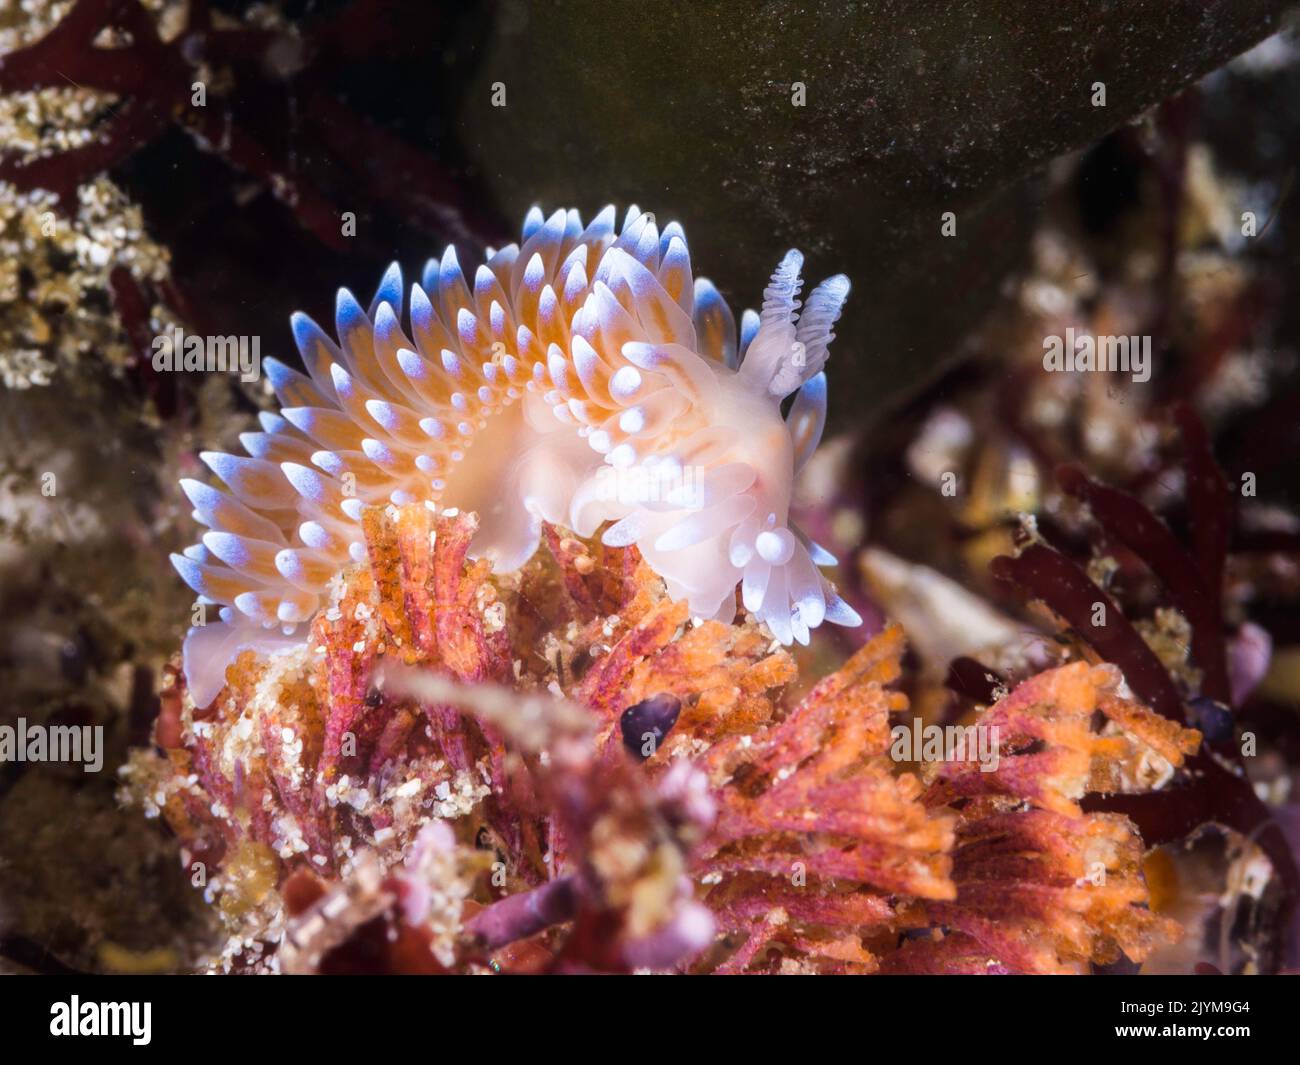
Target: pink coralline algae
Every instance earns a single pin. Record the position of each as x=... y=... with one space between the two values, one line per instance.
x=439 y=779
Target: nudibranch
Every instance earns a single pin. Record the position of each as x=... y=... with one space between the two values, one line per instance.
x=583 y=377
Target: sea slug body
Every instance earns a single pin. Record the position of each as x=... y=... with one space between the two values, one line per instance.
x=580 y=377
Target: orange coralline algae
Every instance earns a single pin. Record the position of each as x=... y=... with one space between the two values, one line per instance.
x=1043 y=886
x=442 y=779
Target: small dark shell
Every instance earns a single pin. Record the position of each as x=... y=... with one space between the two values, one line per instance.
x=649 y=719
x=1211 y=717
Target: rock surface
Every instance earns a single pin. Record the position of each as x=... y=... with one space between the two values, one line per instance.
x=910 y=108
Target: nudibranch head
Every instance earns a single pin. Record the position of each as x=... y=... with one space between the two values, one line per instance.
x=581 y=376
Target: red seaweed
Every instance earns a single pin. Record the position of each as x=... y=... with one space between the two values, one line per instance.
x=156 y=79
x=1214 y=791
x=1190 y=586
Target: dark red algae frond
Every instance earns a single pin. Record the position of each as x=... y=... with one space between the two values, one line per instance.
x=155 y=80
x=1214 y=791
x=169 y=88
